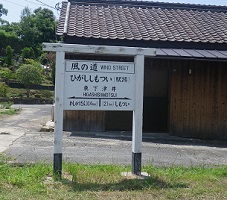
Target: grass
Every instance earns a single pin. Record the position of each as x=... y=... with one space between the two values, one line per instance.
x=5 y=105
x=5 y=109
x=16 y=92
x=105 y=182
x=20 y=92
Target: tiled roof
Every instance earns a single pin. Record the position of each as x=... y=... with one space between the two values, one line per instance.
x=115 y=21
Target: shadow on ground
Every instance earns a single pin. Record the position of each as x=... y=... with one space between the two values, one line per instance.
x=161 y=138
x=124 y=185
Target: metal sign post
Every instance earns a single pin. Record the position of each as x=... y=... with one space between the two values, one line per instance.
x=99 y=85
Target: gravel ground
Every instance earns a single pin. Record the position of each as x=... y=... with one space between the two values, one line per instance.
x=31 y=118
x=105 y=148
x=39 y=147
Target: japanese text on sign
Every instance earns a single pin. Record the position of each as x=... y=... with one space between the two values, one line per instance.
x=99 y=85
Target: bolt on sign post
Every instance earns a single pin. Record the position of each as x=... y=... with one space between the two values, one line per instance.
x=99 y=85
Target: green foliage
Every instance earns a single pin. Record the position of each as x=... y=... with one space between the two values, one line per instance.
x=29 y=33
x=8 y=38
x=28 y=176
x=3 y=11
x=9 y=55
x=43 y=59
x=49 y=59
x=29 y=75
x=46 y=93
x=29 y=61
x=20 y=92
x=3 y=22
x=13 y=29
x=45 y=22
x=5 y=74
x=5 y=109
x=3 y=89
x=11 y=68
x=33 y=29
x=35 y=181
x=10 y=111
x=37 y=28
x=28 y=53
x=35 y=63
x=6 y=105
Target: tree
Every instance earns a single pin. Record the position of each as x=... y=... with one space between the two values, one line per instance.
x=27 y=52
x=28 y=32
x=9 y=56
x=3 y=22
x=29 y=75
x=3 y=11
x=26 y=12
x=37 y=28
x=45 y=23
x=33 y=29
x=9 y=38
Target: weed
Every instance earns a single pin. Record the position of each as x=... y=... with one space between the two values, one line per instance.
x=5 y=109
x=105 y=182
x=6 y=105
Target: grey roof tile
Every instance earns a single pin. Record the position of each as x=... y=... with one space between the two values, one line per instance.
x=108 y=21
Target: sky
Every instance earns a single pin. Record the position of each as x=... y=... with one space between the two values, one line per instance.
x=15 y=7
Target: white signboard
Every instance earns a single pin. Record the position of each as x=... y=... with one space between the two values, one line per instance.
x=99 y=85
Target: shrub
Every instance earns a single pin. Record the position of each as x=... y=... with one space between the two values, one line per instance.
x=28 y=61
x=34 y=63
x=9 y=55
x=11 y=68
x=3 y=89
x=37 y=96
x=5 y=74
x=43 y=59
x=29 y=75
x=27 y=52
x=46 y=93
x=3 y=61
